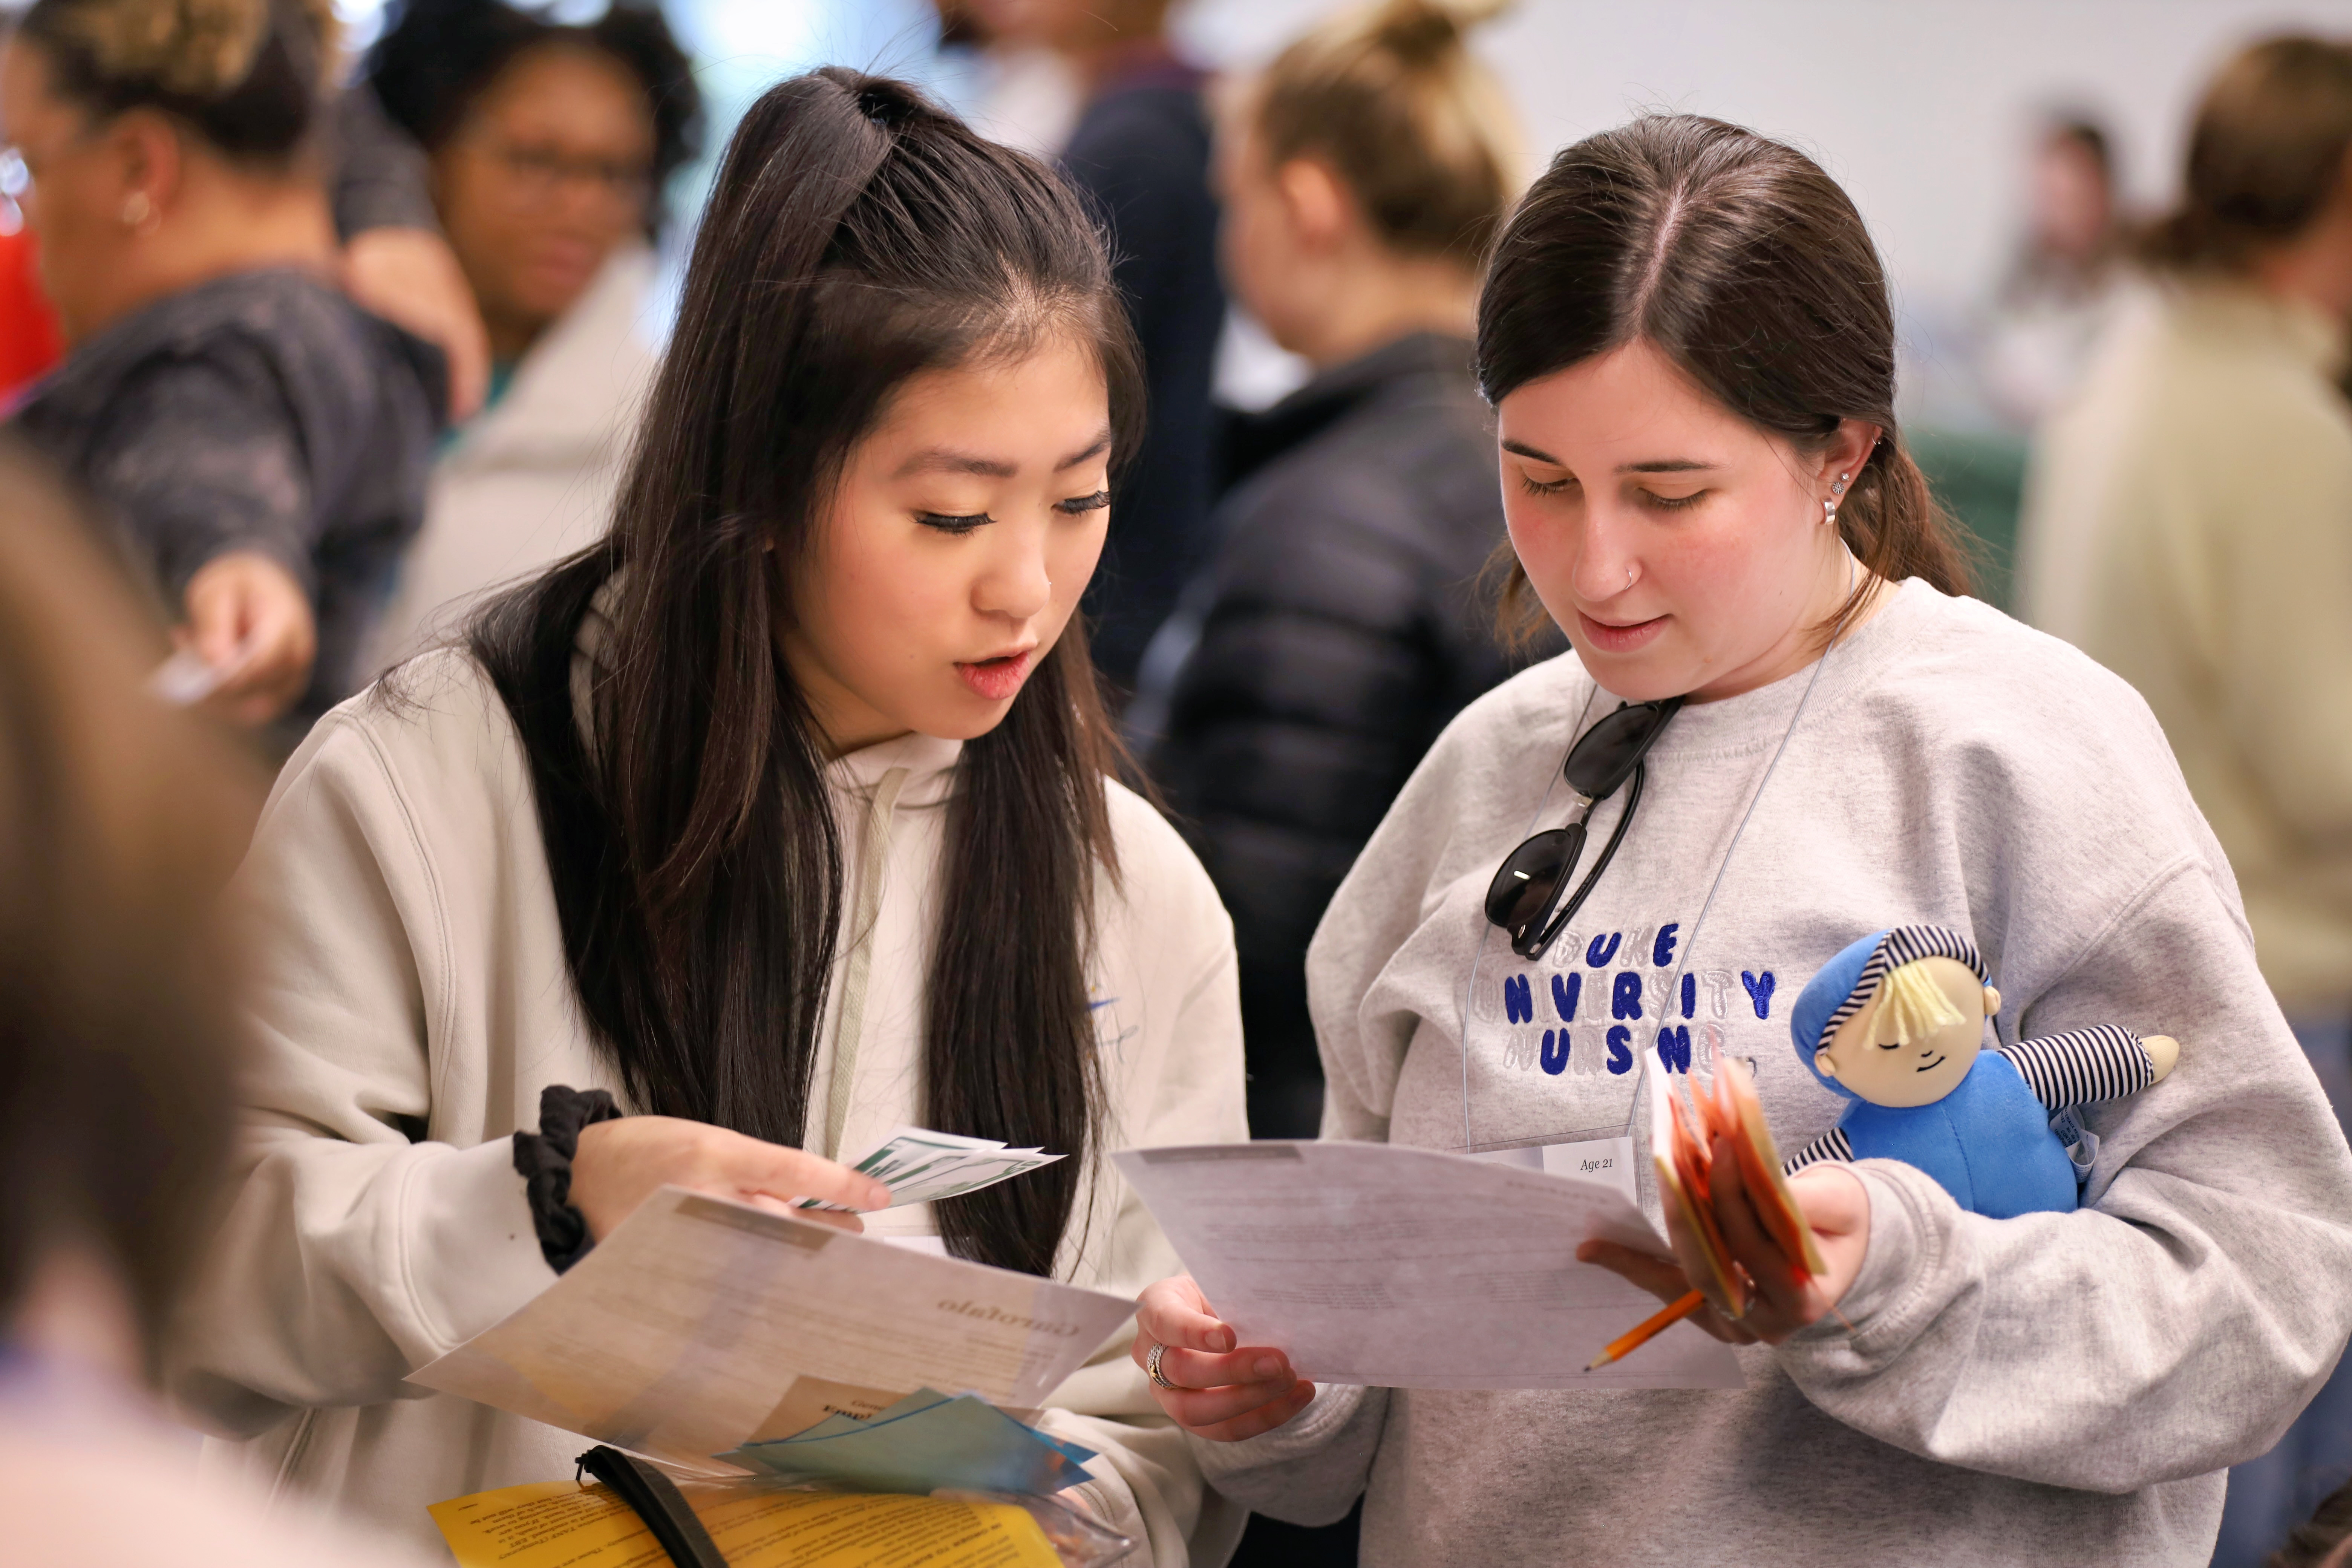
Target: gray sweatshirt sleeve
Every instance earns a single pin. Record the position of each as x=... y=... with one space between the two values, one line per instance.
x=2172 y=1326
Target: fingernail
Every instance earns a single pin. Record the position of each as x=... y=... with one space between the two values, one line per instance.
x=1220 y=1339
x=877 y=1196
x=1267 y=1366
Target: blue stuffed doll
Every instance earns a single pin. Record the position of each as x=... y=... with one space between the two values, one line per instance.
x=1895 y=1024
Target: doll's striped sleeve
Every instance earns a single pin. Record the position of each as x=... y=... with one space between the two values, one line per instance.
x=2100 y=1062
x=1831 y=1145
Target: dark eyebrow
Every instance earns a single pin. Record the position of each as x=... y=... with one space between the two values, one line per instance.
x=1655 y=466
x=940 y=460
x=947 y=460
x=1101 y=445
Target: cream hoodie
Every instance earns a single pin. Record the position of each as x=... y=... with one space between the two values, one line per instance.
x=412 y=1001
x=2190 y=526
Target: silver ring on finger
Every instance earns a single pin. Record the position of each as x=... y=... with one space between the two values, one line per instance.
x=1151 y=1369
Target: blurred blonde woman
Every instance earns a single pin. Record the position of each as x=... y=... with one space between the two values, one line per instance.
x=1363 y=175
x=258 y=440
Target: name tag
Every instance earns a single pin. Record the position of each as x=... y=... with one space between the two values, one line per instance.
x=1609 y=1161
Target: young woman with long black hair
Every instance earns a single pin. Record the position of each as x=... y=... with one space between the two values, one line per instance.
x=1687 y=335
x=824 y=839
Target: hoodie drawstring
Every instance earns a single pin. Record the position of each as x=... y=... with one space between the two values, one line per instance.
x=865 y=915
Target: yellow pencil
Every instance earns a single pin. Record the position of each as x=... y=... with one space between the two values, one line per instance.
x=1648 y=1329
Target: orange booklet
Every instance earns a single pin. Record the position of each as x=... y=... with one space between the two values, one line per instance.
x=1681 y=1141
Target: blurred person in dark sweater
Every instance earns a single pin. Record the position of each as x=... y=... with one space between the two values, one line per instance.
x=1140 y=152
x=1341 y=624
x=258 y=440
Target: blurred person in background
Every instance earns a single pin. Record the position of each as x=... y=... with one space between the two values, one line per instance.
x=29 y=341
x=119 y=823
x=1025 y=93
x=2061 y=287
x=1141 y=154
x=1340 y=625
x=548 y=147
x=2190 y=527
x=258 y=440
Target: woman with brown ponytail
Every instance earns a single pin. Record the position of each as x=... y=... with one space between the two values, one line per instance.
x=260 y=441
x=1686 y=336
x=782 y=817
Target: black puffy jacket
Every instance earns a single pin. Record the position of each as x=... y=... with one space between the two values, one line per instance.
x=1340 y=625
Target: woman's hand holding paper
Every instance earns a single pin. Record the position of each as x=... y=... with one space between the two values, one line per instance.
x=621 y=1163
x=1223 y=1391
x=1782 y=1299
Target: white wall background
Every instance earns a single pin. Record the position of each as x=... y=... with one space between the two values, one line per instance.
x=1921 y=108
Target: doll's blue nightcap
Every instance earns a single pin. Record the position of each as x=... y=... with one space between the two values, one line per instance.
x=1846 y=981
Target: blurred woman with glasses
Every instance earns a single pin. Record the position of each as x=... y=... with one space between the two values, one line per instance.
x=547 y=145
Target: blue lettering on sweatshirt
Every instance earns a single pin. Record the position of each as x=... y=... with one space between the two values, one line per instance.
x=1621 y=1049
x=1518 y=999
x=1625 y=1001
x=1598 y=956
x=1690 y=995
x=1759 y=991
x=1662 y=952
x=1565 y=990
x=1674 y=1047
x=1555 y=1062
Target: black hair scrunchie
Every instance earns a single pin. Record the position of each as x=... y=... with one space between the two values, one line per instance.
x=543 y=1159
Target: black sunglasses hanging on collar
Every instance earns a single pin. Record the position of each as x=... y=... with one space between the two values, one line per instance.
x=1525 y=894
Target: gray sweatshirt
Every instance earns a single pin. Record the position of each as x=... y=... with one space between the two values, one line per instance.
x=2054 y=1388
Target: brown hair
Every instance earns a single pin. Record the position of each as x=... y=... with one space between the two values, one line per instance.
x=246 y=76
x=2317 y=1540
x=1419 y=130
x=120 y=821
x=1742 y=262
x=2265 y=155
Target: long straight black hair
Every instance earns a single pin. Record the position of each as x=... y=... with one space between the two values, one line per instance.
x=857 y=236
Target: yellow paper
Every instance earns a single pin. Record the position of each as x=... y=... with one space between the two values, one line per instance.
x=561 y=1524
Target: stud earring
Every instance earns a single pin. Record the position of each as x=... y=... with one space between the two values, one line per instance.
x=1629 y=574
x=137 y=212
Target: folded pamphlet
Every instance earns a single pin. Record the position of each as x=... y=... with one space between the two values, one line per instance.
x=925 y=1442
x=700 y=1325
x=1682 y=1145
x=920 y=1166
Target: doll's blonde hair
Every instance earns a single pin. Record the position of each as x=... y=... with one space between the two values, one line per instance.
x=1911 y=1005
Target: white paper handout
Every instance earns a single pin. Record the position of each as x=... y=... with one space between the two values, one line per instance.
x=920 y=1166
x=688 y=1327
x=1411 y=1269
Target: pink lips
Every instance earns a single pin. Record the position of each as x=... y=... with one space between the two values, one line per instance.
x=996 y=680
x=1619 y=639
